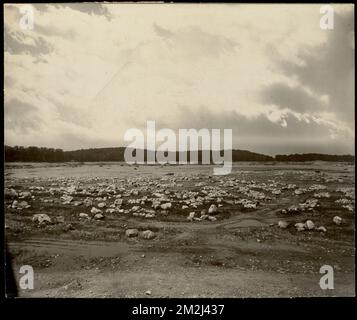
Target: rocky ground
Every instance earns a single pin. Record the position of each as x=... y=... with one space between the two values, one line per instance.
x=175 y=231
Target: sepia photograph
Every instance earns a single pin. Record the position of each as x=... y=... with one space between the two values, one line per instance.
x=179 y=150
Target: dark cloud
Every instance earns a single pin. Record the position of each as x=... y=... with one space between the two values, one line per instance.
x=294 y=98
x=260 y=134
x=14 y=45
x=194 y=42
x=329 y=68
x=21 y=116
x=88 y=8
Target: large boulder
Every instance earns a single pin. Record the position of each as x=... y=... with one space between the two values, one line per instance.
x=83 y=215
x=191 y=216
x=25 y=195
x=212 y=209
x=148 y=234
x=130 y=233
x=94 y=210
x=337 y=220
x=166 y=206
x=101 y=205
x=98 y=216
x=300 y=226
x=283 y=224
x=309 y=225
x=41 y=218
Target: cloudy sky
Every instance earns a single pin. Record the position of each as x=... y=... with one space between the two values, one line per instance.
x=88 y=72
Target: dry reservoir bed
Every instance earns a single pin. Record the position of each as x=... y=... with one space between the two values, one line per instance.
x=114 y=230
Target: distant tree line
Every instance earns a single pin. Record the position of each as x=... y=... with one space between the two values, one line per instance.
x=37 y=154
x=33 y=154
x=314 y=157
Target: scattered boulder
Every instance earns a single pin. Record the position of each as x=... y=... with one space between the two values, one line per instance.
x=322 y=229
x=191 y=216
x=309 y=225
x=337 y=220
x=212 y=218
x=98 y=216
x=300 y=226
x=66 y=199
x=20 y=205
x=166 y=206
x=101 y=205
x=131 y=233
x=41 y=218
x=212 y=209
x=94 y=210
x=25 y=195
x=14 y=204
x=83 y=215
x=283 y=224
x=148 y=234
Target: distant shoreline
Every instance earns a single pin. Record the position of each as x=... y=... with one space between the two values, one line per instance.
x=51 y=155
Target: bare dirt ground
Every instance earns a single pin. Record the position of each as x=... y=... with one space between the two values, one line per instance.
x=243 y=253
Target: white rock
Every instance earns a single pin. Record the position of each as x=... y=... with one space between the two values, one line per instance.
x=191 y=216
x=135 y=208
x=212 y=209
x=283 y=224
x=101 y=205
x=131 y=232
x=166 y=206
x=300 y=226
x=14 y=204
x=337 y=220
x=66 y=199
x=322 y=229
x=94 y=210
x=84 y=215
x=211 y=218
x=41 y=218
x=25 y=194
x=309 y=225
x=98 y=216
x=148 y=234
